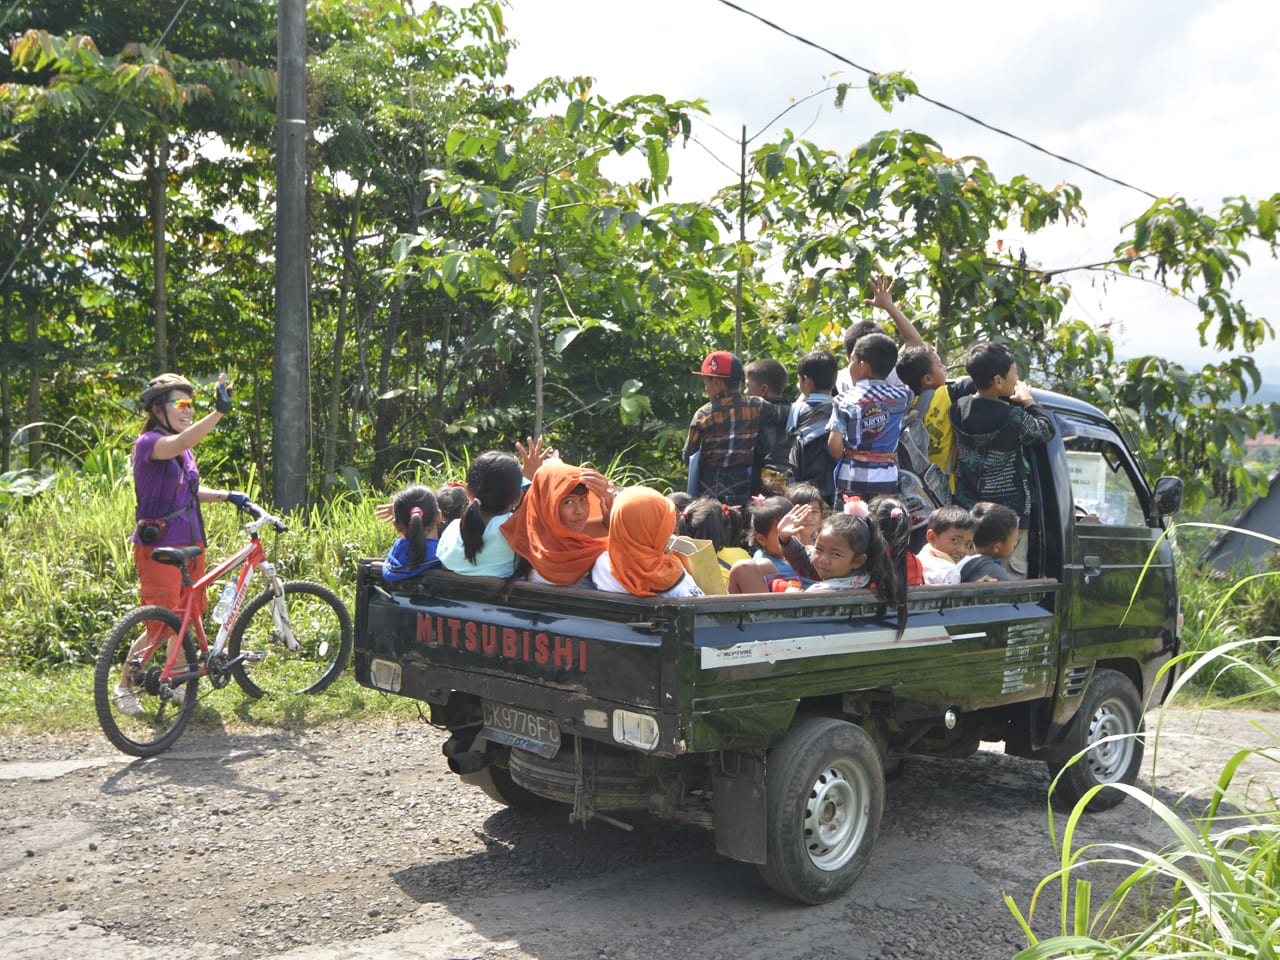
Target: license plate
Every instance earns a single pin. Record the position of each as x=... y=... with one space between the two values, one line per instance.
x=521 y=728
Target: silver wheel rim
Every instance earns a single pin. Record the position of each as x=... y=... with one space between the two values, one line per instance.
x=836 y=815
x=1108 y=761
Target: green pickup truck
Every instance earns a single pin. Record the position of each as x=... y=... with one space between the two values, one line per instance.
x=772 y=719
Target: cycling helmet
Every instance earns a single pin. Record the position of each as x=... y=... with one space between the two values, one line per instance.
x=159 y=386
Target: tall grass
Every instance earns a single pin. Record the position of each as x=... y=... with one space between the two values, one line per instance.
x=66 y=563
x=1214 y=890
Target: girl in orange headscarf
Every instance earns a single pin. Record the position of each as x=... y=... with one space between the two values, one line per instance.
x=637 y=561
x=559 y=528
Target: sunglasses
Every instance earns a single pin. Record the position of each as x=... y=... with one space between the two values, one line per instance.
x=183 y=404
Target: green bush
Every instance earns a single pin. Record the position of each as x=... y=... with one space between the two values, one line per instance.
x=1219 y=611
x=1214 y=890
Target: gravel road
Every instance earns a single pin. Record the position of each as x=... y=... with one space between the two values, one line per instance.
x=356 y=841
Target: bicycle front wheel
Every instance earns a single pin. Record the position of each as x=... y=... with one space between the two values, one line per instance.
x=320 y=626
x=137 y=714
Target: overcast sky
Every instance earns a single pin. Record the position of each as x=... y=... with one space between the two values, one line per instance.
x=1175 y=97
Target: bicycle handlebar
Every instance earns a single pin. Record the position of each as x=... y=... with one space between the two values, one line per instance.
x=261 y=518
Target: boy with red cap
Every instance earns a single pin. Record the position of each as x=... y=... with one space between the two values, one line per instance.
x=723 y=432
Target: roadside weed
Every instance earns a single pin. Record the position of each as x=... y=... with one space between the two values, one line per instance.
x=1212 y=891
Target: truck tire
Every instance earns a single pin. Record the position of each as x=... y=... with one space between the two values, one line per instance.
x=1111 y=708
x=825 y=791
x=612 y=781
x=498 y=786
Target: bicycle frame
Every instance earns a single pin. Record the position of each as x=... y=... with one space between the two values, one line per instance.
x=249 y=558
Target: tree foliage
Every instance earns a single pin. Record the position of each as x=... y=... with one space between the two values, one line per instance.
x=479 y=270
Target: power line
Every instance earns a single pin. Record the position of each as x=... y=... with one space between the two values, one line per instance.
x=939 y=103
x=712 y=154
x=66 y=182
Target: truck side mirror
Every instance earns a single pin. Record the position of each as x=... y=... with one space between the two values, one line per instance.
x=1168 y=496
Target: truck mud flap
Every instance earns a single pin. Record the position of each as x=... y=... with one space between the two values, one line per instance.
x=742 y=819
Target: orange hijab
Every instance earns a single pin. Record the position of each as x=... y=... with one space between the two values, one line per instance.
x=536 y=533
x=639 y=527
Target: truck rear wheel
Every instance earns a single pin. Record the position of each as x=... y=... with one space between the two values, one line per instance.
x=1111 y=708
x=825 y=790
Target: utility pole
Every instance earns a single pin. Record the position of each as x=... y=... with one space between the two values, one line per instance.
x=290 y=406
x=742 y=242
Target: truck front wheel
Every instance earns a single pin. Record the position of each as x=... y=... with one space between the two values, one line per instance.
x=825 y=790
x=1111 y=709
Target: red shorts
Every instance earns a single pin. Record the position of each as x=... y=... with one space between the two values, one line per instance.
x=161 y=584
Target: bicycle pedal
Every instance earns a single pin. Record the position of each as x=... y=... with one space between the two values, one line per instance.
x=256 y=657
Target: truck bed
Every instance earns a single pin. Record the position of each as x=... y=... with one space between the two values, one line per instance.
x=716 y=673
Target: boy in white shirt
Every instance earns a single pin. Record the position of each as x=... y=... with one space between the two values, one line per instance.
x=949 y=537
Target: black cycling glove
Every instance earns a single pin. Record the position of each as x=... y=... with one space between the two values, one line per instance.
x=222 y=399
x=241 y=500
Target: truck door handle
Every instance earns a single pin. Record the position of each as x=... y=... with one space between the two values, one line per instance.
x=1092 y=567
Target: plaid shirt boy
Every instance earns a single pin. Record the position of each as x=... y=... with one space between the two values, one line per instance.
x=725 y=430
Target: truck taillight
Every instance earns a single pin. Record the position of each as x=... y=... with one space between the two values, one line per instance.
x=635 y=729
x=384 y=675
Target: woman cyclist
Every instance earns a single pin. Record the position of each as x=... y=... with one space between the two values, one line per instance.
x=166 y=484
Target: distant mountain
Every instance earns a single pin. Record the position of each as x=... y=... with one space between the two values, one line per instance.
x=1269 y=392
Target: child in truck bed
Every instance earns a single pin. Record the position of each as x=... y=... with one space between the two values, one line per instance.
x=950 y=534
x=637 y=561
x=894 y=521
x=559 y=528
x=706 y=518
x=415 y=515
x=762 y=533
x=849 y=554
x=472 y=545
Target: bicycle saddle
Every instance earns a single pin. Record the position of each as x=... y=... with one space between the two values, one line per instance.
x=176 y=556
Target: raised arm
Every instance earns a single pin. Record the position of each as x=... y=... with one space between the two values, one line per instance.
x=534 y=453
x=168 y=447
x=882 y=297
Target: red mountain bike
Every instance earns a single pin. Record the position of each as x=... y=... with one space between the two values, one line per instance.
x=293 y=637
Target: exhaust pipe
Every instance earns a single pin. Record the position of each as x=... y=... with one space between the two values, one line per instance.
x=472 y=761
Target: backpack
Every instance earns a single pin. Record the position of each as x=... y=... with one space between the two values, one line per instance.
x=809 y=461
x=922 y=485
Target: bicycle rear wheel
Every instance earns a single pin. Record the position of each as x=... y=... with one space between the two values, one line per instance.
x=321 y=626
x=137 y=716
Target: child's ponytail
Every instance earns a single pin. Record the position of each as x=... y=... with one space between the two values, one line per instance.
x=706 y=518
x=887 y=568
x=894 y=521
x=471 y=527
x=415 y=511
x=494 y=480
x=416 y=535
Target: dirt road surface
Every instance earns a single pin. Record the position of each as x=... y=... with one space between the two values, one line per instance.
x=356 y=842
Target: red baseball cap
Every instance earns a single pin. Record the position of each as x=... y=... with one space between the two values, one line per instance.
x=721 y=363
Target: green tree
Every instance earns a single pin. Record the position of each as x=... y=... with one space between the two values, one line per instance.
x=138 y=125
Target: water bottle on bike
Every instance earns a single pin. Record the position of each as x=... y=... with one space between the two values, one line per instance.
x=225 y=602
